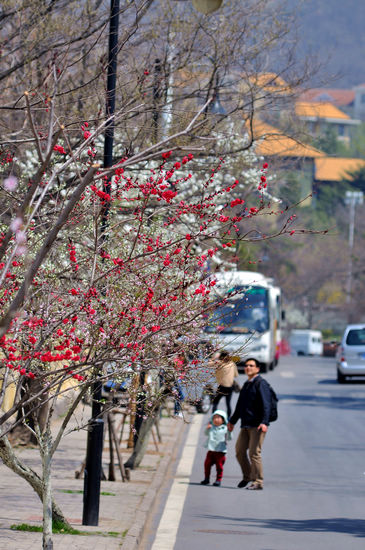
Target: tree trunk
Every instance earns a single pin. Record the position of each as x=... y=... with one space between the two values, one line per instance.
x=45 y=447
x=141 y=444
x=10 y=460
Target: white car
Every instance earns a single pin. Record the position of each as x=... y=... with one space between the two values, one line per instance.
x=350 y=357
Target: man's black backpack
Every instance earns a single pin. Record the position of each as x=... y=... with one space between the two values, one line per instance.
x=274 y=402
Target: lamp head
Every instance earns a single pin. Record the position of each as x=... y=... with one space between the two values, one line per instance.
x=207 y=6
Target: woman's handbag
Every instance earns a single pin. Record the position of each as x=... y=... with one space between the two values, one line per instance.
x=236 y=387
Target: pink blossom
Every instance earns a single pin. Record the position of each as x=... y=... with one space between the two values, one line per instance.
x=20 y=250
x=21 y=237
x=10 y=183
x=16 y=224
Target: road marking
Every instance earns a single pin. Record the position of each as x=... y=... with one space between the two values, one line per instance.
x=169 y=523
x=287 y=374
x=322 y=394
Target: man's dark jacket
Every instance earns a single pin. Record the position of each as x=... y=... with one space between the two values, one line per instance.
x=254 y=404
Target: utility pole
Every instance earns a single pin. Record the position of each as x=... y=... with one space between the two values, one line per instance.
x=352 y=199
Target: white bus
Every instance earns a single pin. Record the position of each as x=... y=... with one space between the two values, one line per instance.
x=247 y=321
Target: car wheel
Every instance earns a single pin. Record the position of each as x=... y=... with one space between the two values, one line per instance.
x=203 y=406
x=341 y=378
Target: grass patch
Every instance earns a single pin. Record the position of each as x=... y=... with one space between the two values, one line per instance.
x=79 y=492
x=61 y=528
x=27 y=527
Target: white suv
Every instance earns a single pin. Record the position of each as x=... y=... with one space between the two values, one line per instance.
x=350 y=355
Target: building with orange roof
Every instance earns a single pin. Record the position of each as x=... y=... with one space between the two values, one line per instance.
x=351 y=101
x=273 y=142
x=270 y=82
x=344 y=99
x=318 y=116
x=287 y=153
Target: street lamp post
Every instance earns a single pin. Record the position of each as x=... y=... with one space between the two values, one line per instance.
x=352 y=199
x=94 y=450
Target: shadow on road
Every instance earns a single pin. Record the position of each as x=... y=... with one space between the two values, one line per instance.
x=355 y=527
x=338 y=402
x=351 y=382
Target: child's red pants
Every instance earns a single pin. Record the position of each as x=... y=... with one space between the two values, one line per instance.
x=213 y=457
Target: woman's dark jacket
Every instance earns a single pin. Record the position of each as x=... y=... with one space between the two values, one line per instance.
x=253 y=405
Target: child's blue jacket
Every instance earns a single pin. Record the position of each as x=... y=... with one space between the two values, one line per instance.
x=217 y=435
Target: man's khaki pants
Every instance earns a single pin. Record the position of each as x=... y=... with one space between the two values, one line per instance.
x=248 y=454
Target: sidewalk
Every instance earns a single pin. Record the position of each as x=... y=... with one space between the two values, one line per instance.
x=124 y=507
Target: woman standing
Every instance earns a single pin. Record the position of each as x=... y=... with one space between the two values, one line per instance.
x=225 y=373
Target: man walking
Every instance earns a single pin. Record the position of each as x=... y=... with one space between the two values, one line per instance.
x=253 y=408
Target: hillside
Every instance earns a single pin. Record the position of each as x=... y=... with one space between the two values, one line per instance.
x=334 y=30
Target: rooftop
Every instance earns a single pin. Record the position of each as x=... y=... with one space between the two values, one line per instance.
x=272 y=142
x=335 y=169
x=319 y=109
x=337 y=97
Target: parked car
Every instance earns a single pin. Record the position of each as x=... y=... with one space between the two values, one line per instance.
x=330 y=348
x=350 y=357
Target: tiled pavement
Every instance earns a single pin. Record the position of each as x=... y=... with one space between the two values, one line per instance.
x=123 y=512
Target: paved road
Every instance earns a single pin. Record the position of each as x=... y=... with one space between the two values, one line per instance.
x=314 y=462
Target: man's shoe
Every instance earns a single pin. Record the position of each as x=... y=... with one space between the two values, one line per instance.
x=217 y=484
x=204 y=482
x=254 y=487
x=243 y=483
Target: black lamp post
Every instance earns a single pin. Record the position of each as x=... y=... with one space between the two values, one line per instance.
x=94 y=451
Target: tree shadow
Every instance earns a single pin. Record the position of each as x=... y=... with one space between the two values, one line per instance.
x=350 y=526
x=336 y=402
x=349 y=382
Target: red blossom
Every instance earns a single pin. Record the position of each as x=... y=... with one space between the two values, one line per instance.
x=168 y=195
x=236 y=201
x=59 y=149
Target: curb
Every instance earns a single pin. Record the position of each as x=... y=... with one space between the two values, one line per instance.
x=135 y=533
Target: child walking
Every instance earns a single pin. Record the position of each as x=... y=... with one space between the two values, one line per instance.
x=218 y=435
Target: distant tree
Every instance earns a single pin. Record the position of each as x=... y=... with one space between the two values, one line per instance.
x=356 y=179
x=328 y=142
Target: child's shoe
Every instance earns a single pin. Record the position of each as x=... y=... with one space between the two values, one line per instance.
x=204 y=482
x=217 y=484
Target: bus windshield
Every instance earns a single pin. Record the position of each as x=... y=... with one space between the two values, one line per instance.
x=242 y=314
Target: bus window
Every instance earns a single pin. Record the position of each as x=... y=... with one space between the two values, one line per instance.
x=249 y=313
